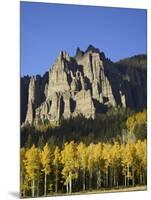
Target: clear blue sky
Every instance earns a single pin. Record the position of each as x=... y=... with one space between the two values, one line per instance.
x=48 y=28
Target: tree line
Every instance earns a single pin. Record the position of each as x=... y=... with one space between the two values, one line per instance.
x=104 y=128
x=77 y=167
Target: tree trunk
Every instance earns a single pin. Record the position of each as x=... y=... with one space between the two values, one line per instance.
x=140 y=178
x=70 y=184
x=144 y=178
x=56 y=186
x=110 y=176
x=67 y=188
x=83 y=177
x=99 y=179
x=117 y=171
x=24 y=193
x=133 y=175
x=104 y=179
x=128 y=175
x=107 y=177
x=90 y=180
x=125 y=177
x=45 y=185
x=38 y=187
x=33 y=188
x=114 y=181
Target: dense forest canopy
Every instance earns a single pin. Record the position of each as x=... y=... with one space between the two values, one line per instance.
x=77 y=167
x=138 y=61
x=114 y=125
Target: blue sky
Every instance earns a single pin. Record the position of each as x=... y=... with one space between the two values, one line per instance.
x=48 y=28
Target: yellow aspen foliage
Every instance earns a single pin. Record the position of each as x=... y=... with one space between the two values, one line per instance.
x=46 y=160
x=138 y=118
x=141 y=153
x=25 y=187
x=107 y=151
x=24 y=181
x=32 y=162
x=90 y=152
x=91 y=162
x=32 y=165
x=70 y=163
x=82 y=155
x=56 y=164
x=116 y=155
x=128 y=153
x=57 y=156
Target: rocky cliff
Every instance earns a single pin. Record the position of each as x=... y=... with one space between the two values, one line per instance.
x=86 y=84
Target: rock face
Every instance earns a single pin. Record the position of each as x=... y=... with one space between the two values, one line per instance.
x=86 y=84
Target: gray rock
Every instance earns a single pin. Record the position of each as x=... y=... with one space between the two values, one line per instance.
x=81 y=85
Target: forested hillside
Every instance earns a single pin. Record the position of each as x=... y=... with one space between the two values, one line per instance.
x=61 y=158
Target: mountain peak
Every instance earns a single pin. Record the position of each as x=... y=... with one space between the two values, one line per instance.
x=79 y=52
x=92 y=49
x=63 y=55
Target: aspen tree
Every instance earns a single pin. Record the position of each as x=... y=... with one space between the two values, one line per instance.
x=32 y=166
x=91 y=163
x=46 y=160
x=70 y=164
x=116 y=161
x=24 y=182
x=83 y=161
x=141 y=152
x=107 y=149
x=99 y=162
x=56 y=164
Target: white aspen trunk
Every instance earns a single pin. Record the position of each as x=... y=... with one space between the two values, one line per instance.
x=67 y=188
x=140 y=178
x=143 y=178
x=83 y=180
x=125 y=177
x=21 y=181
x=33 y=188
x=70 y=184
x=99 y=179
x=24 y=193
x=133 y=175
x=56 y=188
x=90 y=180
x=117 y=180
x=128 y=175
x=114 y=177
x=106 y=177
x=104 y=180
x=117 y=171
x=38 y=187
x=45 y=185
x=110 y=176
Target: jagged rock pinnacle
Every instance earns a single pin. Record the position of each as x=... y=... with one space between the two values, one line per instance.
x=92 y=49
x=85 y=84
